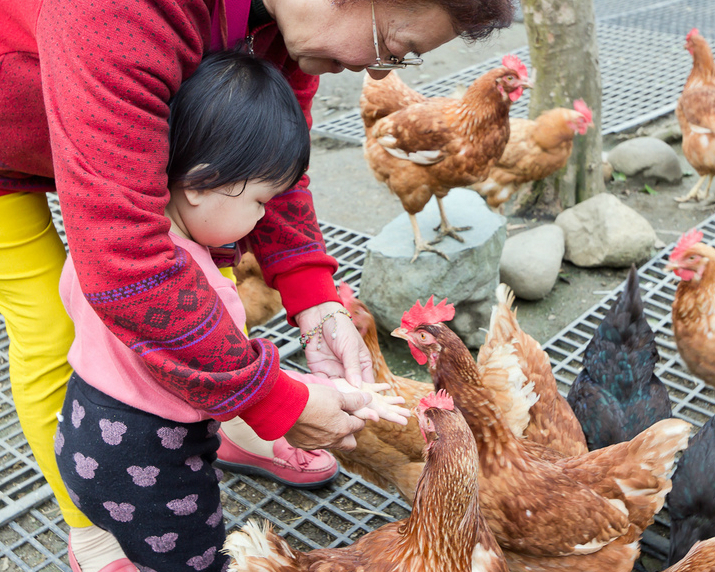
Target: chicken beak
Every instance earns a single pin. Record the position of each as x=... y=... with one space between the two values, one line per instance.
x=526 y=84
x=400 y=333
x=670 y=266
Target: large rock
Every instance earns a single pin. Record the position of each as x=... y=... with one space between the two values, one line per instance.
x=647 y=156
x=531 y=260
x=390 y=284
x=602 y=231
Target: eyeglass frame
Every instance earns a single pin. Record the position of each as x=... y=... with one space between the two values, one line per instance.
x=394 y=63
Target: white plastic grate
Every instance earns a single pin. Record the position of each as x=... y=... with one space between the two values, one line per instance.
x=33 y=535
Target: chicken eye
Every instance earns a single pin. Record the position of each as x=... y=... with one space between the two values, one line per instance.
x=423 y=336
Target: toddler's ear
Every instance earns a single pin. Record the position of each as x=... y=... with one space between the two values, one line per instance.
x=193 y=196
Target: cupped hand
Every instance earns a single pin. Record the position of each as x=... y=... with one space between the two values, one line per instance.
x=343 y=356
x=385 y=406
x=329 y=419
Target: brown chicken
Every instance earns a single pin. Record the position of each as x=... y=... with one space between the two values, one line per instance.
x=444 y=532
x=700 y=558
x=696 y=114
x=423 y=146
x=260 y=302
x=537 y=148
x=694 y=304
x=583 y=513
x=386 y=453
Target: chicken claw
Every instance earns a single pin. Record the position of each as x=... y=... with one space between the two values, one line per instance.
x=423 y=246
x=449 y=231
x=445 y=228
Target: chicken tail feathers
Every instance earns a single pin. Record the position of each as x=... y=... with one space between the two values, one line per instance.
x=380 y=98
x=644 y=476
x=255 y=548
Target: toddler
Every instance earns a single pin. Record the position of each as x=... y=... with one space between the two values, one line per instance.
x=135 y=457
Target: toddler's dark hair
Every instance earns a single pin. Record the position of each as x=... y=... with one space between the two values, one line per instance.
x=238 y=116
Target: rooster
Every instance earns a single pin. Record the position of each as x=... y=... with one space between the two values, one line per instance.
x=386 y=453
x=423 y=146
x=551 y=422
x=537 y=148
x=696 y=114
x=691 y=503
x=583 y=513
x=694 y=304
x=700 y=558
x=617 y=393
x=444 y=532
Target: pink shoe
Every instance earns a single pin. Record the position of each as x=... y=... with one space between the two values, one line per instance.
x=121 y=565
x=290 y=466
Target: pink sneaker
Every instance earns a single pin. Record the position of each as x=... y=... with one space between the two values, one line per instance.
x=290 y=466
x=121 y=565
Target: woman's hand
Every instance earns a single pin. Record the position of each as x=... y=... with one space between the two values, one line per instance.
x=330 y=418
x=342 y=352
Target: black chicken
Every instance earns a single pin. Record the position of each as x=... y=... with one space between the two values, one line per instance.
x=691 y=502
x=617 y=395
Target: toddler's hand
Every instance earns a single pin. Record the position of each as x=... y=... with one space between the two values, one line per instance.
x=385 y=406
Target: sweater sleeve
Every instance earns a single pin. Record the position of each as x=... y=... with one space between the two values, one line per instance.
x=287 y=241
x=108 y=72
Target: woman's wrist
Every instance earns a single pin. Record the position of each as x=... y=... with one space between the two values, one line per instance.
x=317 y=331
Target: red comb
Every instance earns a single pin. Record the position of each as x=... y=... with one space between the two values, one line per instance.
x=346 y=293
x=427 y=314
x=580 y=106
x=686 y=241
x=691 y=33
x=440 y=400
x=514 y=63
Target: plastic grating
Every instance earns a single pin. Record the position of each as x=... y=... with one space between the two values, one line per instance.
x=628 y=99
x=33 y=535
x=675 y=17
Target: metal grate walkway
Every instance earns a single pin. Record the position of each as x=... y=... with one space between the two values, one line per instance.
x=33 y=535
x=632 y=37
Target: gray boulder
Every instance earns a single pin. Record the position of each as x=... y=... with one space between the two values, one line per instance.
x=650 y=157
x=390 y=284
x=602 y=231
x=531 y=260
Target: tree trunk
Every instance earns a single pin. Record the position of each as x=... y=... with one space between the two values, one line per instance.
x=564 y=59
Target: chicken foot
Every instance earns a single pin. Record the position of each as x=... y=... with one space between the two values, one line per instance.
x=697 y=191
x=445 y=228
x=421 y=245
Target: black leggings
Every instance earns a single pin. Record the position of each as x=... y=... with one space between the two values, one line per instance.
x=147 y=480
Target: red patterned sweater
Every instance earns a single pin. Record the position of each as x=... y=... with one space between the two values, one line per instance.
x=94 y=78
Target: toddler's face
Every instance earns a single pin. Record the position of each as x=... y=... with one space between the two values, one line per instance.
x=228 y=214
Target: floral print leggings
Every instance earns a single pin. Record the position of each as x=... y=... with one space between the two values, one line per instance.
x=147 y=480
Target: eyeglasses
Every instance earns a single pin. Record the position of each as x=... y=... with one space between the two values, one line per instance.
x=393 y=62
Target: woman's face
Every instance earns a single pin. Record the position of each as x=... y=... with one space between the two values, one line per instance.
x=325 y=38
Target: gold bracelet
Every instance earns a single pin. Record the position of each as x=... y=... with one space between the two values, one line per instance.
x=318 y=330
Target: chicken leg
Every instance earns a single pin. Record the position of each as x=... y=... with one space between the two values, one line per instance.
x=697 y=192
x=445 y=228
x=421 y=245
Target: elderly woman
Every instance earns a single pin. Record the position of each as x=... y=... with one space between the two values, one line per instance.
x=84 y=92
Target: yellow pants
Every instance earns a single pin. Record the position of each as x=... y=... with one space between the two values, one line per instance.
x=40 y=332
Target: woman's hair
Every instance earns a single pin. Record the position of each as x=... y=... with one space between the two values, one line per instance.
x=476 y=19
x=236 y=118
